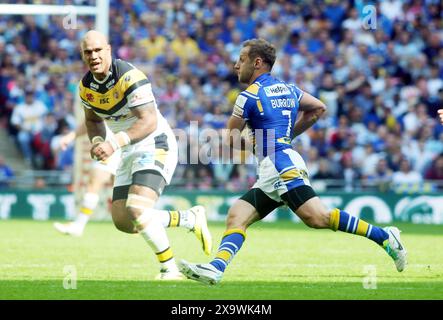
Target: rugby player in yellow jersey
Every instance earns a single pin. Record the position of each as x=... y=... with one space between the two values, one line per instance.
x=115 y=92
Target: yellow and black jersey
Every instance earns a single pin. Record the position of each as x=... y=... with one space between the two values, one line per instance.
x=125 y=87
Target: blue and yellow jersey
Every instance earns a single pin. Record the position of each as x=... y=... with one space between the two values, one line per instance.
x=270 y=108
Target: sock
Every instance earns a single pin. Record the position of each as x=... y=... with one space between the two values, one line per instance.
x=231 y=242
x=171 y=219
x=155 y=235
x=90 y=201
x=343 y=221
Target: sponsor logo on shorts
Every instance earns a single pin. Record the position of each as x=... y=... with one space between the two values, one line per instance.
x=278 y=185
x=146 y=159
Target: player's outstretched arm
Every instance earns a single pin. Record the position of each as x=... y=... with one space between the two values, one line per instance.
x=68 y=138
x=311 y=110
x=440 y=113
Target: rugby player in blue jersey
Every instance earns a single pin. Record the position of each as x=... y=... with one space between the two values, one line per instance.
x=269 y=107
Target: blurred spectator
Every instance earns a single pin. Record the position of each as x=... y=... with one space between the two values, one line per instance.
x=222 y=166
x=324 y=171
x=369 y=160
x=190 y=178
x=340 y=135
x=6 y=173
x=154 y=44
x=405 y=178
x=350 y=173
x=204 y=179
x=40 y=183
x=435 y=172
x=34 y=37
x=233 y=48
x=63 y=158
x=381 y=178
x=28 y=120
x=312 y=161
x=126 y=50
x=184 y=46
x=42 y=140
x=245 y=23
x=392 y=9
x=385 y=85
x=328 y=94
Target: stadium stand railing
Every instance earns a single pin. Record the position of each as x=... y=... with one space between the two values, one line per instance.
x=40 y=179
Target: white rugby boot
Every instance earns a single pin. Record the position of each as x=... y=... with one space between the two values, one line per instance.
x=395 y=248
x=170 y=275
x=69 y=228
x=205 y=273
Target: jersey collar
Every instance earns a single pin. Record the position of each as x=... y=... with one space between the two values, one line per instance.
x=262 y=77
x=107 y=77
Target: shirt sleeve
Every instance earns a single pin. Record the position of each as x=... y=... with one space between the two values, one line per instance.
x=16 y=117
x=297 y=91
x=242 y=106
x=85 y=105
x=80 y=93
x=141 y=95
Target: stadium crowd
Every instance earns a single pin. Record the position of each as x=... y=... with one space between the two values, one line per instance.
x=380 y=77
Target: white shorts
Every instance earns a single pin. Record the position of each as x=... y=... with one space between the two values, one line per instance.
x=281 y=172
x=157 y=152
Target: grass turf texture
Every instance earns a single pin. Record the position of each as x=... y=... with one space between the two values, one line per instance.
x=279 y=261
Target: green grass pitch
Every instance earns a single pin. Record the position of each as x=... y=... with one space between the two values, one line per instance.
x=279 y=261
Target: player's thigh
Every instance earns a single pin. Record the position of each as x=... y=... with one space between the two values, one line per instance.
x=261 y=201
x=146 y=192
x=314 y=213
x=304 y=202
x=251 y=207
x=148 y=183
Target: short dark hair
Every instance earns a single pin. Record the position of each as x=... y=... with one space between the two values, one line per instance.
x=28 y=90
x=261 y=48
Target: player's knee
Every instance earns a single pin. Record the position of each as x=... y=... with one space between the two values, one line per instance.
x=312 y=222
x=125 y=226
x=133 y=213
x=137 y=205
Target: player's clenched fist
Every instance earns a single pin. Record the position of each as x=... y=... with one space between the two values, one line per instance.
x=101 y=150
x=440 y=113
